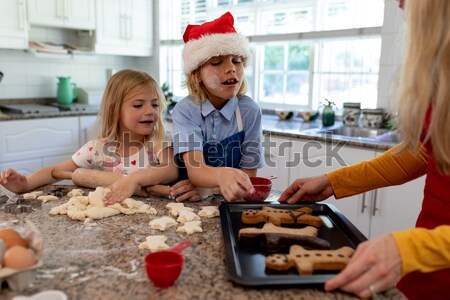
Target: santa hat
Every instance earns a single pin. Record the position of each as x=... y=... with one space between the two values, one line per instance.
x=210 y=39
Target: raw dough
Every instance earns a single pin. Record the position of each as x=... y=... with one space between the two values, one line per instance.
x=47 y=198
x=209 y=212
x=130 y=206
x=176 y=208
x=187 y=215
x=75 y=192
x=163 y=223
x=91 y=207
x=29 y=196
x=155 y=243
x=190 y=227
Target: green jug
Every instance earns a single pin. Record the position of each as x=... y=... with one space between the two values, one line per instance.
x=66 y=92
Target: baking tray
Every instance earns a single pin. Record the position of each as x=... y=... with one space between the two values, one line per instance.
x=246 y=263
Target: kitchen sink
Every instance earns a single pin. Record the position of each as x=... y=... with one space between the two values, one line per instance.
x=381 y=135
x=355 y=131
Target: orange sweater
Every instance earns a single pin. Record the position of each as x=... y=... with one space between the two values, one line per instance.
x=421 y=249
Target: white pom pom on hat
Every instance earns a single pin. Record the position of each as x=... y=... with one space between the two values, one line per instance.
x=210 y=39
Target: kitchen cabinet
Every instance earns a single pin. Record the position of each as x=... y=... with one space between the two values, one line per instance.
x=28 y=145
x=374 y=212
x=124 y=27
x=76 y=14
x=277 y=156
x=89 y=129
x=13 y=25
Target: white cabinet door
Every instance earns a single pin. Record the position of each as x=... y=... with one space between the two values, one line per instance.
x=77 y=14
x=38 y=138
x=89 y=129
x=277 y=154
x=313 y=158
x=124 y=27
x=46 y=12
x=13 y=25
x=80 y=14
x=397 y=207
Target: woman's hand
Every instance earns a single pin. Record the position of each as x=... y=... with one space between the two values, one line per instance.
x=376 y=265
x=185 y=190
x=310 y=189
x=13 y=181
x=235 y=184
x=120 y=190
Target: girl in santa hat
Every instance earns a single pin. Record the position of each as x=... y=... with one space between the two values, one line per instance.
x=217 y=128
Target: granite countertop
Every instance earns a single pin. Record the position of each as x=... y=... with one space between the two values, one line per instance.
x=101 y=260
x=296 y=128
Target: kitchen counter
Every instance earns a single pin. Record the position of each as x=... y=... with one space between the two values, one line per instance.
x=296 y=128
x=101 y=260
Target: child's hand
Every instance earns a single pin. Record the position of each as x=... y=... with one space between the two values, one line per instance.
x=120 y=190
x=13 y=181
x=235 y=184
x=185 y=190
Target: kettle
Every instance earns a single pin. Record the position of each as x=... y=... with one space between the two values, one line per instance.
x=66 y=91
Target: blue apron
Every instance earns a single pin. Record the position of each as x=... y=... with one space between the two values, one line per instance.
x=226 y=153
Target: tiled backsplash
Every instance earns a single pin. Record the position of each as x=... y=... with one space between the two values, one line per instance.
x=28 y=76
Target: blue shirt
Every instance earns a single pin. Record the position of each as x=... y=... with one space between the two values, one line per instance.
x=194 y=124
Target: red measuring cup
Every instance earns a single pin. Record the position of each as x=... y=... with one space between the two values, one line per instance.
x=164 y=267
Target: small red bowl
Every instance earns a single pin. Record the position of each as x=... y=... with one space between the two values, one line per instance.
x=262 y=186
x=163 y=267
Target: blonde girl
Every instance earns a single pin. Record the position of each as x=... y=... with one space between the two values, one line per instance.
x=131 y=137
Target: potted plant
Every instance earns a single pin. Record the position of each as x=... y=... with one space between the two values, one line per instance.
x=328 y=113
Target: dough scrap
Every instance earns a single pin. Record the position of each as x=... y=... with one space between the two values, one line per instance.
x=75 y=192
x=190 y=227
x=47 y=198
x=163 y=223
x=176 y=208
x=155 y=243
x=130 y=206
x=92 y=207
x=29 y=196
x=187 y=215
x=209 y=212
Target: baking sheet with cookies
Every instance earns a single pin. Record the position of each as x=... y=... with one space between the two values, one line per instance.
x=246 y=263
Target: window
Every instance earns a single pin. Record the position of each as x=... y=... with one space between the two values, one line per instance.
x=302 y=50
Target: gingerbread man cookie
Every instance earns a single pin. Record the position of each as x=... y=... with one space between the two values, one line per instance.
x=273 y=237
x=307 y=261
x=281 y=216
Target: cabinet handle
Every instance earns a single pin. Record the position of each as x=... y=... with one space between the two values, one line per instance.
x=363 y=206
x=374 y=208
